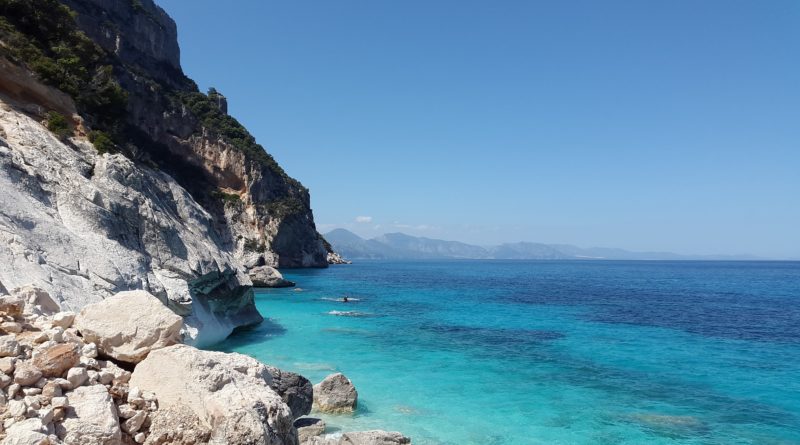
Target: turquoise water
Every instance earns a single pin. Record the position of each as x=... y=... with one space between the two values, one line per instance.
x=491 y=353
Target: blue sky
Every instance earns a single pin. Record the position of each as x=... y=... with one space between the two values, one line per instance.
x=646 y=125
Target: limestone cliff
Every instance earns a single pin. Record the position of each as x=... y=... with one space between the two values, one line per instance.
x=262 y=215
x=117 y=174
x=84 y=226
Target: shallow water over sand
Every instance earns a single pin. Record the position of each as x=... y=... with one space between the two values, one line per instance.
x=548 y=352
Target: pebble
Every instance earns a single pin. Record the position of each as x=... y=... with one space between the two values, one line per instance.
x=90 y=350
x=77 y=377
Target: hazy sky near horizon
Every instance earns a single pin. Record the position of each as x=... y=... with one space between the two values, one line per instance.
x=670 y=125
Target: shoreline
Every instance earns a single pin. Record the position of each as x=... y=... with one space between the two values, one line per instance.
x=117 y=373
x=548 y=359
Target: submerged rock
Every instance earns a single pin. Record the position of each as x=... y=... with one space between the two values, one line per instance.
x=354 y=314
x=374 y=437
x=129 y=325
x=265 y=276
x=335 y=394
x=670 y=424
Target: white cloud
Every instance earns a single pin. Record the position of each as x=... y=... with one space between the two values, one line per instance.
x=363 y=219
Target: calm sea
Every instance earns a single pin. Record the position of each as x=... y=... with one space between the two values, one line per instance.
x=548 y=352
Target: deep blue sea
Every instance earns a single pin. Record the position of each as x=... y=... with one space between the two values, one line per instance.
x=548 y=352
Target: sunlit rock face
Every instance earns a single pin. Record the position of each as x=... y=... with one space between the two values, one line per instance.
x=84 y=226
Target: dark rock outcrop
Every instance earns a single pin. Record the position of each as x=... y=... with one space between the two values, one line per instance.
x=295 y=390
x=138 y=32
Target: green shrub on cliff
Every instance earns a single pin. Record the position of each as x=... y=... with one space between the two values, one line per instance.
x=205 y=108
x=283 y=207
x=137 y=5
x=252 y=245
x=43 y=35
x=58 y=124
x=102 y=142
x=225 y=197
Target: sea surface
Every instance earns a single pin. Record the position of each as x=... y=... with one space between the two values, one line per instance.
x=548 y=352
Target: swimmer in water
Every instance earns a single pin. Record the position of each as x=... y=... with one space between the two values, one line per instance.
x=344 y=300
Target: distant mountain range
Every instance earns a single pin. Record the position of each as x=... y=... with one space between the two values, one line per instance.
x=399 y=246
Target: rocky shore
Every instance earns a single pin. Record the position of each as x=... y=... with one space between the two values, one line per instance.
x=117 y=373
x=136 y=216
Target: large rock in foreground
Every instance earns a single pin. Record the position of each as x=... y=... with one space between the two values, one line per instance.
x=229 y=393
x=335 y=394
x=92 y=418
x=129 y=325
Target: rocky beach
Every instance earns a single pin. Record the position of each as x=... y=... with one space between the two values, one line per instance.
x=136 y=215
x=117 y=373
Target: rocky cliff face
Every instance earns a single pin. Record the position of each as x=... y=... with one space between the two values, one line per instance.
x=172 y=195
x=84 y=226
x=262 y=215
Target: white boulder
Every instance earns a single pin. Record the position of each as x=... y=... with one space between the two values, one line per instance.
x=12 y=305
x=91 y=418
x=129 y=325
x=77 y=376
x=229 y=393
x=9 y=346
x=335 y=394
x=63 y=320
x=26 y=432
x=37 y=300
x=26 y=374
